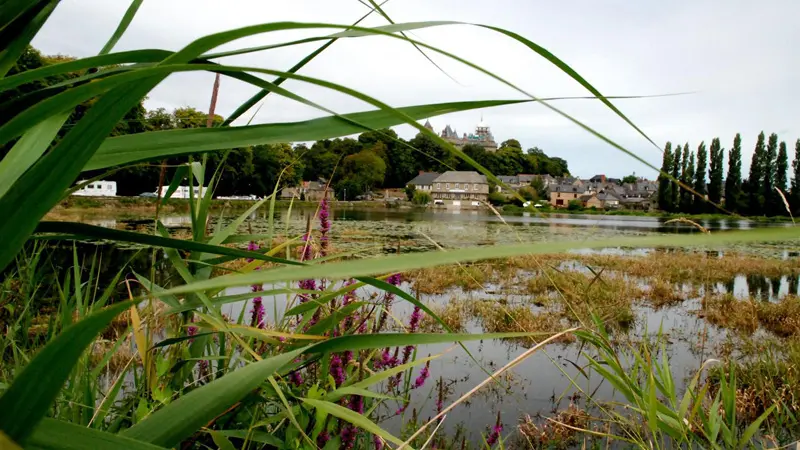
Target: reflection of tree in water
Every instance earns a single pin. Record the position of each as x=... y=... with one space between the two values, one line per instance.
x=776 y=287
x=794 y=283
x=758 y=286
x=730 y=285
x=102 y=262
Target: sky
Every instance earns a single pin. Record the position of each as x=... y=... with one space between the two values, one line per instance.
x=733 y=62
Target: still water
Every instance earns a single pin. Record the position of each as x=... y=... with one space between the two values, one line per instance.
x=541 y=383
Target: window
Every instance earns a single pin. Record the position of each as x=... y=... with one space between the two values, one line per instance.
x=475 y=187
x=91 y=186
x=438 y=185
x=574 y=195
x=558 y=194
x=456 y=185
x=447 y=185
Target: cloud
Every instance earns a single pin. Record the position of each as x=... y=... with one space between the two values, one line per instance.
x=736 y=59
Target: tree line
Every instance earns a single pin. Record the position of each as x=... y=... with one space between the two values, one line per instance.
x=700 y=176
x=374 y=159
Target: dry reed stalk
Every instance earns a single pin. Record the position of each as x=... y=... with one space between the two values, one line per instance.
x=690 y=222
x=785 y=203
x=483 y=383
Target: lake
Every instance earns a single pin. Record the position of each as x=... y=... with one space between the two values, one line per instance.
x=541 y=383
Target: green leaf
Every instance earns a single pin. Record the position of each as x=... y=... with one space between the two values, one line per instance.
x=54 y=434
x=184 y=416
x=363 y=341
x=122 y=27
x=27 y=150
x=17 y=35
x=401 y=263
x=177 y=179
x=352 y=417
x=30 y=396
x=221 y=441
x=253 y=436
x=84 y=231
x=148 y=146
x=751 y=429
x=376 y=378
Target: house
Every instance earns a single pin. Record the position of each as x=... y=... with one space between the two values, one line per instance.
x=511 y=181
x=308 y=190
x=609 y=199
x=562 y=194
x=601 y=178
x=183 y=192
x=460 y=189
x=637 y=203
x=591 y=201
x=100 y=188
x=423 y=181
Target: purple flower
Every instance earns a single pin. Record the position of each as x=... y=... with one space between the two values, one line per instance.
x=337 y=370
x=307 y=250
x=257 y=314
x=296 y=378
x=496 y=430
x=395 y=279
x=356 y=404
x=401 y=410
x=322 y=439
x=387 y=361
x=423 y=375
x=348 y=356
x=348 y=435
x=324 y=226
x=413 y=323
x=377 y=441
x=251 y=246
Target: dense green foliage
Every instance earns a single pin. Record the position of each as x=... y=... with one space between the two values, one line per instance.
x=715 y=173
x=733 y=179
x=698 y=205
x=664 y=198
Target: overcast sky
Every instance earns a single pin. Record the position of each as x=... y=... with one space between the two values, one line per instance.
x=737 y=58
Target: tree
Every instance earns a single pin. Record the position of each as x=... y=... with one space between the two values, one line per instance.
x=513 y=143
x=421 y=198
x=771 y=200
x=676 y=176
x=575 y=205
x=781 y=172
x=716 y=163
x=268 y=162
x=430 y=156
x=664 y=184
x=795 y=196
x=733 y=181
x=360 y=173
x=410 y=191
x=537 y=184
x=687 y=198
x=630 y=179
x=698 y=200
x=755 y=199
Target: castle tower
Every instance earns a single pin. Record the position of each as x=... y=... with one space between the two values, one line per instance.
x=428 y=125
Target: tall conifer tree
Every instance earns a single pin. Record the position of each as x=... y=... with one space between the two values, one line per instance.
x=755 y=199
x=698 y=199
x=664 y=183
x=676 y=175
x=716 y=157
x=771 y=200
x=781 y=174
x=733 y=181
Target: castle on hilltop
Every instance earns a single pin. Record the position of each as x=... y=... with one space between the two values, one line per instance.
x=482 y=136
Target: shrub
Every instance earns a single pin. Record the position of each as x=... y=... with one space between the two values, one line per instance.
x=421 y=198
x=410 y=190
x=575 y=205
x=496 y=199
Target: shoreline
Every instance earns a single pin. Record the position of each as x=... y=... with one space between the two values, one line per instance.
x=138 y=206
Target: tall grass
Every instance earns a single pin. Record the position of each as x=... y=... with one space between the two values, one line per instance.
x=160 y=366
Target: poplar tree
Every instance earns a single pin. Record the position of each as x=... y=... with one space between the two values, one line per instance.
x=733 y=181
x=688 y=175
x=716 y=157
x=771 y=198
x=781 y=172
x=676 y=175
x=755 y=199
x=698 y=199
x=664 y=183
x=795 y=196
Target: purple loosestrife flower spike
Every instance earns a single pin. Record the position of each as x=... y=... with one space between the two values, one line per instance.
x=496 y=430
x=324 y=226
x=377 y=441
x=258 y=312
x=251 y=246
x=348 y=435
x=323 y=439
x=296 y=378
x=337 y=370
x=423 y=375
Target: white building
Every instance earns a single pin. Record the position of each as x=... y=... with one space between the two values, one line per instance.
x=100 y=188
x=183 y=191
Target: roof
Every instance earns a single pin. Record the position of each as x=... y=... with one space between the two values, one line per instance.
x=508 y=179
x=586 y=198
x=424 y=179
x=608 y=195
x=565 y=188
x=458 y=176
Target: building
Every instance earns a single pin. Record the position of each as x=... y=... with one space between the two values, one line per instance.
x=183 y=192
x=307 y=190
x=609 y=199
x=100 y=188
x=423 y=181
x=562 y=194
x=460 y=189
x=591 y=201
x=482 y=136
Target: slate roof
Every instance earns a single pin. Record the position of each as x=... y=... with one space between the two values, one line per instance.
x=424 y=179
x=457 y=176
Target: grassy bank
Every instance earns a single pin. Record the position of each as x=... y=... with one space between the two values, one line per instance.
x=514 y=210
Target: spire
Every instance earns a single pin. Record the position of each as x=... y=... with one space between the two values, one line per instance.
x=428 y=125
